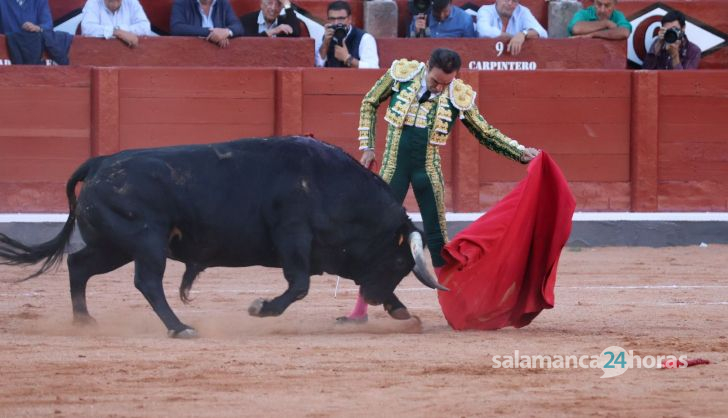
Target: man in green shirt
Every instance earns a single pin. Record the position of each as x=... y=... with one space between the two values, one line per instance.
x=601 y=20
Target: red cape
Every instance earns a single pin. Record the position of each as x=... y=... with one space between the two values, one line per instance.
x=501 y=270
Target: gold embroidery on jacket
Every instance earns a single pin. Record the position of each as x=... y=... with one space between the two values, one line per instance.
x=389 y=162
x=440 y=128
x=405 y=70
x=368 y=112
x=462 y=95
x=491 y=137
x=434 y=173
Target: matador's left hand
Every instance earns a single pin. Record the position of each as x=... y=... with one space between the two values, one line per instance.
x=529 y=154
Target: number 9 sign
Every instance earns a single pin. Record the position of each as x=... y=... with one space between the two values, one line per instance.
x=499 y=48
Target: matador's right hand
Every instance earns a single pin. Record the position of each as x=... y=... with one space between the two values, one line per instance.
x=367 y=157
x=529 y=154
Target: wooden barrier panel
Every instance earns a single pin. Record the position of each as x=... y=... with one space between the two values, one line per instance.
x=162 y=106
x=490 y=54
x=693 y=140
x=582 y=118
x=173 y=51
x=625 y=140
x=477 y=54
x=44 y=134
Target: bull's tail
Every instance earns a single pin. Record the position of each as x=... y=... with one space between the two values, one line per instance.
x=13 y=252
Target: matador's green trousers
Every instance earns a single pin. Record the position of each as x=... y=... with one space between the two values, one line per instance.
x=415 y=166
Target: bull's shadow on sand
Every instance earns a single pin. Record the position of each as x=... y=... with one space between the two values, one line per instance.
x=138 y=322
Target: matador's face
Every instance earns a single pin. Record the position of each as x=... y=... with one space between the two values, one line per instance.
x=438 y=80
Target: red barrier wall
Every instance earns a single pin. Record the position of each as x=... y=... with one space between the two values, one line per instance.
x=172 y=51
x=44 y=134
x=581 y=117
x=643 y=141
x=692 y=136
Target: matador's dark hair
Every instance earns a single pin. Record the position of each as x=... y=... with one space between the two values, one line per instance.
x=445 y=59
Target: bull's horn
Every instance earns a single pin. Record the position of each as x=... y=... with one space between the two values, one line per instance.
x=420 y=270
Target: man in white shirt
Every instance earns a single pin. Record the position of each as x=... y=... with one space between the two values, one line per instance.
x=508 y=20
x=124 y=20
x=348 y=46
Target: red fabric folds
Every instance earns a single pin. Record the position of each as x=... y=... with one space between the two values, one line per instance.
x=501 y=269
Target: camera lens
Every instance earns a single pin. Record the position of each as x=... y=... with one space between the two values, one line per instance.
x=671 y=35
x=339 y=33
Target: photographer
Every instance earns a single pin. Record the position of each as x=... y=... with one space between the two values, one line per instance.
x=343 y=45
x=672 y=50
x=445 y=20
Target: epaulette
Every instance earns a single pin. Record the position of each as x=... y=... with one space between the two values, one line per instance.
x=462 y=95
x=405 y=70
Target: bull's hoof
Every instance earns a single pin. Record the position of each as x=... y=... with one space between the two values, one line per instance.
x=185 y=334
x=256 y=307
x=400 y=313
x=84 y=321
x=262 y=307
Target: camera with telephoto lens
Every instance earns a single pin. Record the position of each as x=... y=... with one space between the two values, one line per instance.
x=419 y=6
x=340 y=31
x=672 y=35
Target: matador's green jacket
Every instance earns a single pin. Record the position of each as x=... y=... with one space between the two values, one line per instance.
x=401 y=83
x=436 y=118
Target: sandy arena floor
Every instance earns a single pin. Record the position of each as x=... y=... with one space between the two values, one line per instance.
x=653 y=301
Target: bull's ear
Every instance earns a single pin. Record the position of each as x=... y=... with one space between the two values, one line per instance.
x=401 y=240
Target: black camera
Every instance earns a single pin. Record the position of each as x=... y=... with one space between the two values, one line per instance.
x=672 y=35
x=340 y=31
x=419 y=6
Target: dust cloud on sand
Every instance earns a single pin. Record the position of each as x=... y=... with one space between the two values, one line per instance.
x=652 y=301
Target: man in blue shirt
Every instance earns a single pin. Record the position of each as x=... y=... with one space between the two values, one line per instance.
x=24 y=15
x=446 y=21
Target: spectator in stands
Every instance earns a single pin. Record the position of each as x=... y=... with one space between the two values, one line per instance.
x=28 y=27
x=343 y=45
x=24 y=16
x=124 y=20
x=445 y=21
x=214 y=20
x=600 y=20
x=268 y=21
x=674 y=52
x=509 y=21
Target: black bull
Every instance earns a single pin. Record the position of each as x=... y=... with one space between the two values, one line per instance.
x=290 y=202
